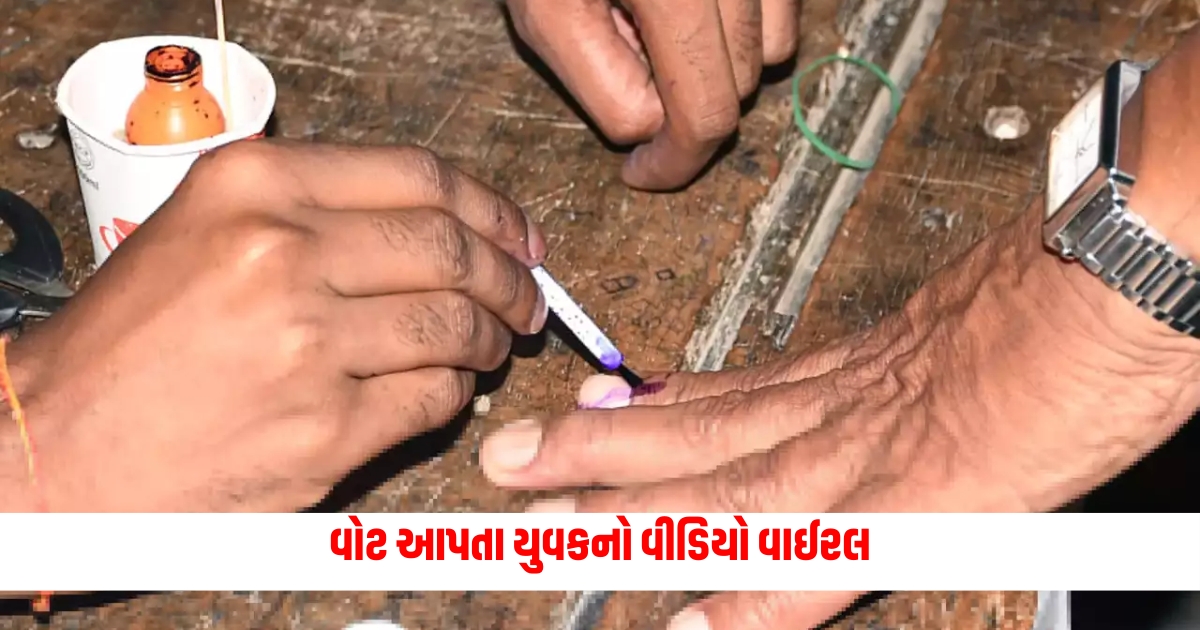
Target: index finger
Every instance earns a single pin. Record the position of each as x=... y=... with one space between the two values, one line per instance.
x=695 y=79
x=333 y=177
x=648 y=443
x=807 y=474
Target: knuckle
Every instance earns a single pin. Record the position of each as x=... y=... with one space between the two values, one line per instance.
x=266 y=245
x=434 y=172
x=417 y=326
x=503 y=217
x=728 y=496
x=314 y=435
x=714 y=124
x=450 y=392
x=701 y=430
x=241 y=166
x=498 y=344
x=762 y=376
x=463 y=320
x=484 y=340
x=511 y=285
x=707 y=427
x=687 y=387
x=738 y=487
x=732 y=403
x=494 y=216
x=396 y=229
x=451 y=248
x=761 y=613
x=588 y=436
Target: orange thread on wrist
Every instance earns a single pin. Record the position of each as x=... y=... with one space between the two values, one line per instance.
x=18 y=414
x=42 y=603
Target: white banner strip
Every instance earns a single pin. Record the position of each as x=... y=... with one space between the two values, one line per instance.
x=480 y=552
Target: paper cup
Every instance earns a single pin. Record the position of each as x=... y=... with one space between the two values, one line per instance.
x=123 y=184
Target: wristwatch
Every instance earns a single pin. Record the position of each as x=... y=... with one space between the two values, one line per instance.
x=1093 y=160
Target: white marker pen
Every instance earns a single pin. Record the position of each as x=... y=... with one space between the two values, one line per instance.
x=577 y=321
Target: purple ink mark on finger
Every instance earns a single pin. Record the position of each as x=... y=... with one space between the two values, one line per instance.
x=648 y=389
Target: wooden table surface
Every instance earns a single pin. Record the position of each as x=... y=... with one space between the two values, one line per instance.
x=446 y=75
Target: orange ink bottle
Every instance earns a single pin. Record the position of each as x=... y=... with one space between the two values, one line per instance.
x=174 y=107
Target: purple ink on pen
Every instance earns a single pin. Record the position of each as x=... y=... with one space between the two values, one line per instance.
x=577 y=321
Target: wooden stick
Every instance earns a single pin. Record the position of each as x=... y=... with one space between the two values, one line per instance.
x=788 y=211
x=220 y=6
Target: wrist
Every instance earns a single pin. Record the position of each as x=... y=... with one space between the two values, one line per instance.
x=1167 y=192
x=1167 y=196
x=1107 y=323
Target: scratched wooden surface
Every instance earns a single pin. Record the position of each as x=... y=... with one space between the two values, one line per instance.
x=942 y=182
x=445 y=74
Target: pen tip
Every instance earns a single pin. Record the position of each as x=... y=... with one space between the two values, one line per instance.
x=630 y=377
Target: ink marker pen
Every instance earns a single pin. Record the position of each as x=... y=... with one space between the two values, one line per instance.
x=582 y=326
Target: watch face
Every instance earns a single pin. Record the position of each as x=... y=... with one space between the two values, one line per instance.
x=1075 y=149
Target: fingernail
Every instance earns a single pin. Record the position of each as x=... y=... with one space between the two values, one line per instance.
x=537 y=242
x=540 y=313
x=511 y=448
x=553 y=506
x=604 y=391
x=690 y=619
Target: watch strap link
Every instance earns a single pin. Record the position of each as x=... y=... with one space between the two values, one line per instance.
x=1118 y=246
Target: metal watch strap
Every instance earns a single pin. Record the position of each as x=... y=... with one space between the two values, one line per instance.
x=1124 y=252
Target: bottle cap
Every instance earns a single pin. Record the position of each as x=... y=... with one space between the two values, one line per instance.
x=172 y=63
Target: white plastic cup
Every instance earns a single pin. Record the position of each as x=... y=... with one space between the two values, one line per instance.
x=123 y=184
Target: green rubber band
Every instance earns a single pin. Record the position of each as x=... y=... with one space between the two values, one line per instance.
x=797 y=112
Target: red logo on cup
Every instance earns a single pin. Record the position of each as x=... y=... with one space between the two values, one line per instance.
x=120 y=230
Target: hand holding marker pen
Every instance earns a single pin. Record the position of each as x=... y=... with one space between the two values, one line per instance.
x=585 y=330
x=590 y=604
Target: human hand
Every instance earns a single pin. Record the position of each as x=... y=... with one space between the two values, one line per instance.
x=1011 y=382
x=671 y=73
x=290 y=312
